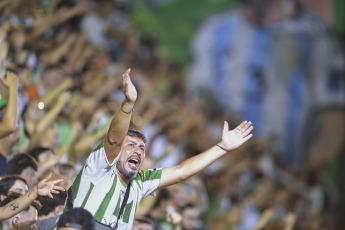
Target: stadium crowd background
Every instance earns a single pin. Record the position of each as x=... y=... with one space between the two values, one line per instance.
x=69 y=57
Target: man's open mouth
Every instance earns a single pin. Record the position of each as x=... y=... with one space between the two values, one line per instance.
x=134 y=163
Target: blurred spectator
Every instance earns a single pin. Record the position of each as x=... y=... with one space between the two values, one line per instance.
x=25 y=166
x=68 y=172
x=265 y=55
x=50 y=211
x=143 y=223
x=107 y=25
x=45 y=158
x=76 y=218
x=157 y=211
x=12 y=183
x=190 y=218
x=175 y=219
x=26 y=219
x=179 y=197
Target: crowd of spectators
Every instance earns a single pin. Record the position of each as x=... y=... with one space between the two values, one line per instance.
x=61 y=66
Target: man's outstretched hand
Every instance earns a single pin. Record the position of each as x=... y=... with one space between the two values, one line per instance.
x=128 y=88
x=46 y=187
x=231 y=139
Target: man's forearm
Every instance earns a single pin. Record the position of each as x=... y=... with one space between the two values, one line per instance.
x=190 y=167
x=118 y=130
x=200 y=162
x=120 y=123
x=19 y=204
x=10 y=115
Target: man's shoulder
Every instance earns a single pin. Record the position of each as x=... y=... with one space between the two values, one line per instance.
x=99 y=146
x=150 y=174
x=96 y=153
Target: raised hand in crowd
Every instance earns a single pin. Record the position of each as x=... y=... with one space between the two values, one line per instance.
x=46 y=187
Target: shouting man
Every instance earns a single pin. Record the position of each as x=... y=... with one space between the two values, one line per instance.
x=110 y=185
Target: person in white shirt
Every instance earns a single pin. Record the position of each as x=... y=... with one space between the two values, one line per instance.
x=110 y=185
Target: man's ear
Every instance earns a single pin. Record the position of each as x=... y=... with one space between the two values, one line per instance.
x=58 y=210
x=2 y=197
x=15 y=221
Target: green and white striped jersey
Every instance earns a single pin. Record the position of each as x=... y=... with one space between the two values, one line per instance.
x=98 y=189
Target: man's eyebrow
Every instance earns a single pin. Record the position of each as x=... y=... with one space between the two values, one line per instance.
x=134 y=142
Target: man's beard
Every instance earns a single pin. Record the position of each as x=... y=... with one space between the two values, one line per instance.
x=127 y=175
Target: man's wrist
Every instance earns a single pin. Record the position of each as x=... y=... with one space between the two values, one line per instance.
x=127 y=107
x=222 y=147
x=33 y=192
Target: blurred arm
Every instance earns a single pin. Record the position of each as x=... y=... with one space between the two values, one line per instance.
x=48 y=119
x=9 y=121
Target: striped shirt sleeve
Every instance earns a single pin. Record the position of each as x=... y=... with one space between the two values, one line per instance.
x=150 y=180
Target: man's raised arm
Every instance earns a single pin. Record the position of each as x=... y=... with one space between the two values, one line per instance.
x=231 y=139
x=120 y=123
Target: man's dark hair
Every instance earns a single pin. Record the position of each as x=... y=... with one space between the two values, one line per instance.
x=78 y=218
x=19 y=163
x=138 y=134
x=36 y=152
x=14 y=195
x=49 y=204
x=6 y=182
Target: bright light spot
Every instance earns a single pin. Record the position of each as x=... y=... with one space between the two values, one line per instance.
x=41 y=105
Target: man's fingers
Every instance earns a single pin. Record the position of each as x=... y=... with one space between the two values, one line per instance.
x=126 y=80
x=59 y=188
x=126 y=74
x=226 y=126
x=46 y=179
x=247 y=131
x=240 y=126
x=57 y=181
x=50 y=175
x=247 y=138
x=246 y=125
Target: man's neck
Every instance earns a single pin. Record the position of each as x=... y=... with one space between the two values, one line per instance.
x=124 y=180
